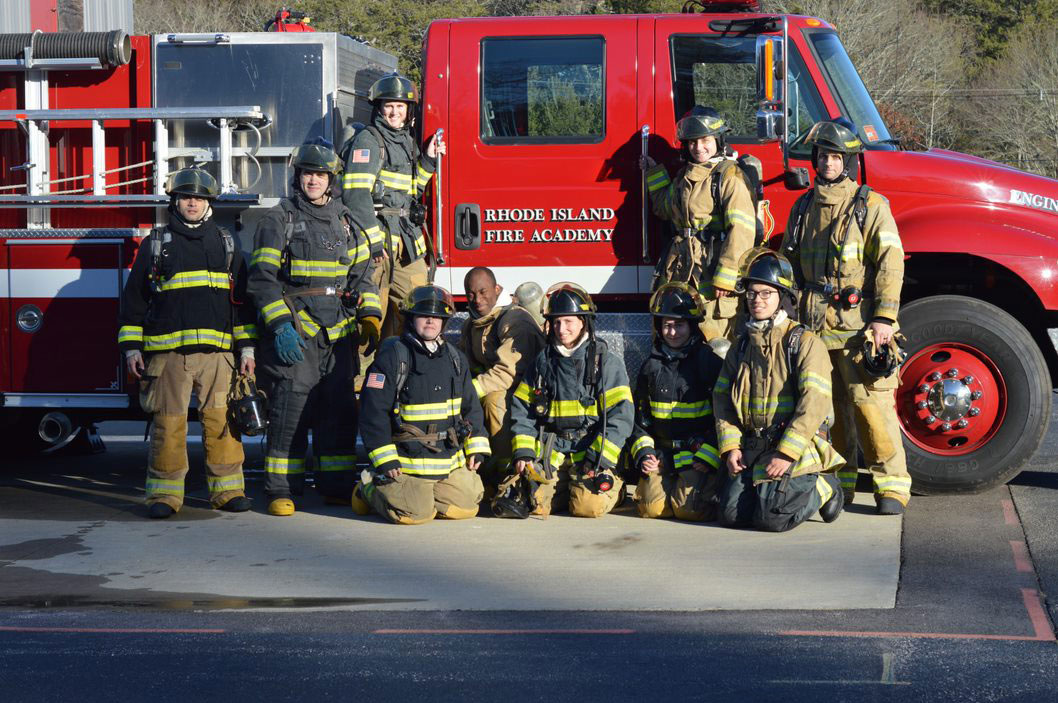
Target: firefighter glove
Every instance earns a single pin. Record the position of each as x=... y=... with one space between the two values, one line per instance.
x=368 y=329
x=289 y=344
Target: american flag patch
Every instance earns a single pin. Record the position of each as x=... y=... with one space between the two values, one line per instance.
x=360 y=156
x=375 y=380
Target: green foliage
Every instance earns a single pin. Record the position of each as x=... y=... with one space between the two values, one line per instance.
x=566 y=102
x=995 y=22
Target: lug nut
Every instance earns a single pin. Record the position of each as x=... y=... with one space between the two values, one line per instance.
x=968 y=380
x=952 y=373
x=974 y=412
x=961 y=424
x=976 y=395
x=922 y=405
x=923 y=388
x=935 y=376
x=930 y=419
x=945 y=427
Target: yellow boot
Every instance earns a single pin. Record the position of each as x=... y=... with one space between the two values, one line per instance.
x=360 y=506
x=281 y=507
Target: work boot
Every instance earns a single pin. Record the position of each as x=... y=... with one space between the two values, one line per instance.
x=281 y=507
x=359 y=505
x=160 y=511
x=849 y=497
x=238 y=504
x=888 y=505
x=830 y=510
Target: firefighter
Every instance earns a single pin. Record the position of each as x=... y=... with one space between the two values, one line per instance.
x=572 y=413
x=673 y=443
x=422 y=422
x=310 y=279
x=183 y=307
x=711 y=210
x=499 y=342
x=843 y=243
x=385 y=177
x=773 y=403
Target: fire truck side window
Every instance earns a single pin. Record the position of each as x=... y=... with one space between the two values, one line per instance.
x=543 y=90
x=804 y=105
x=716 y=72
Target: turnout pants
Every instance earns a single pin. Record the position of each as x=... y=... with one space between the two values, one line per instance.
x=568 y=490
x=165 y=393
x=774 y=505
x=412 y=500
x=687 y=259
x=685 y=495
x=314 y=394
x=498 y=425
x=865 y=407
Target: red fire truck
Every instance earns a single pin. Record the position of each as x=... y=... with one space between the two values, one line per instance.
x=545 y=118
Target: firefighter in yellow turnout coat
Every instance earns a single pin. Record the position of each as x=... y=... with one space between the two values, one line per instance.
x=847 y=254
x=572 y=413
x=772 y=402
x=421 y=422
x=673 y=443
x=710 y=236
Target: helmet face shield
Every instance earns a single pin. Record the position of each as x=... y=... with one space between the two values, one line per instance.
x=566 y=298
x=315 y=157
x=393 y=88
x=762 y=265
x=195 y=182
x=833 y=136
x=701 y=122
x=428 y=301
x=677 y=300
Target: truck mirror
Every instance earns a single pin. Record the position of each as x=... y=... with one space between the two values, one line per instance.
x=796 y=179
x=770 y=87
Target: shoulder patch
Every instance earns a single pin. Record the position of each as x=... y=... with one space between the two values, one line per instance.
x=375 y=380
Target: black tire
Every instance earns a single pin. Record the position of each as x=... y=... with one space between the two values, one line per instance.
x=953 y=318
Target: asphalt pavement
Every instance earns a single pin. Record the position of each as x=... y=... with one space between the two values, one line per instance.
x=93 y=608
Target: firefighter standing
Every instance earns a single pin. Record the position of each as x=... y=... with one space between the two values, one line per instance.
x=421 y=422
x=845 y=249
x=572 y=413
x=310 y=278
x=187 y=284
x=712 y=212
x=500 y=342
x=673 y=443
x=772 y=403
x=385 y=176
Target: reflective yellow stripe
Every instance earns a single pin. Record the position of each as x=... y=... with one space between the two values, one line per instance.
x=165 y=487
x=610 y=451
x=358 y=180
x=524 y=441
x=615 y=395
x=522 y=392
x=572 y=408
x=527 y=442
x=273 y=310
x=413 y=412
x=195 y=279
x=678 y=410
x=657 y=180
x=284 y=465
x=851 y=251
x=244 y=332
x=893 y=484
x=737 y=217
x=885 y=305
x=383 y=455
x=219 y=484
x=130 y=333
x=308 y=325
x=644 y=442
x=730 y=438
x=340 y=462
x=324 y=269
x=722 y=383
x=187 y=338
x=360 y=254
x=428 y=466
x=815 y=381
x=374 y=235
x=396 y=181
x=708 y=454
x=477 y=388
x=476 y=445
x=725 y=277
x=266 y=255
x=792 y=444
x=422 y=177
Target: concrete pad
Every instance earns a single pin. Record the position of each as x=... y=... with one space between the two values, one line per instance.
x=619 y=562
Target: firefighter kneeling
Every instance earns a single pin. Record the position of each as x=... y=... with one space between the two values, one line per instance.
x=421 y=422
x=572 y=413
x=674 y=440
x=773 y=403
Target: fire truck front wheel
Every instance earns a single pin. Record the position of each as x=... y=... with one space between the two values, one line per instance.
x=975 y=395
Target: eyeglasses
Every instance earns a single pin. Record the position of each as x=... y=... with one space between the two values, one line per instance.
x=764 y=295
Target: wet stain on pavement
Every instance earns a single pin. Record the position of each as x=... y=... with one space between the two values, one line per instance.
x=41 y=548
x=615 y=544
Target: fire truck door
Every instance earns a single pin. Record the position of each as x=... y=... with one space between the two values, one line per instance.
x=542 y=176
x=64 y=306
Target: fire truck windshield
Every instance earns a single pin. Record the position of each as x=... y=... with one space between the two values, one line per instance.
x=855 y=101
